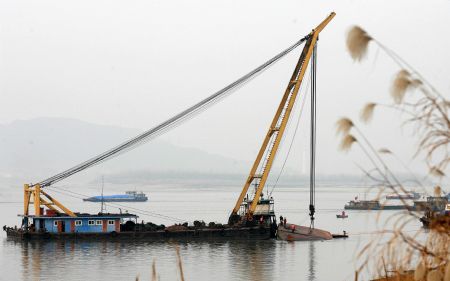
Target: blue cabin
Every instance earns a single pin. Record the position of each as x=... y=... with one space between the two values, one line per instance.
x=82 y=223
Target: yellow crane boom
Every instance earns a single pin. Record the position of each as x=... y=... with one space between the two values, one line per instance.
x=276 y=130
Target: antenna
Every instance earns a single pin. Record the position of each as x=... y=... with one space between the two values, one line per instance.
x=103 y=207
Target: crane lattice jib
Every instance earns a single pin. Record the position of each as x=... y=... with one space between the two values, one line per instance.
x=276 y=130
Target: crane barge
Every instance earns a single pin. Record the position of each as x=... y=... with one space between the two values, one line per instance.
x=253 y=216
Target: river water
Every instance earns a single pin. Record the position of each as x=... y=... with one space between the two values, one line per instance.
x=236 y=260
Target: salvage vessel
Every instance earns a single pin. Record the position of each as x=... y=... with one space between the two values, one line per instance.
x=253 y=216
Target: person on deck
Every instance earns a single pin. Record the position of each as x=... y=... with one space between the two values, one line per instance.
x=285 y=221
x=293 y=228
x=281 y=220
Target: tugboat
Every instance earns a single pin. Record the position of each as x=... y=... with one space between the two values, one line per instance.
x=129 y=196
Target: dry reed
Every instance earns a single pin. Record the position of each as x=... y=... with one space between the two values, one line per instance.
x=343 y=126
x=402 y=83
x=367 y=112
x=347 y=142
x=357 y=42
x=154 y=274
x=447 y=272
x=397 y=250
x=384 y=151
x=179 y=263
x=434 y=171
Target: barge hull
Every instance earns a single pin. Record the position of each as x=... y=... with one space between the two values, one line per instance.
x=244 y=233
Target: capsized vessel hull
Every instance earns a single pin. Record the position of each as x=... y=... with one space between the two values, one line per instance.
x=301 y=233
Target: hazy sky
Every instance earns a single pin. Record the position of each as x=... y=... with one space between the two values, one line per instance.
x=136 y=63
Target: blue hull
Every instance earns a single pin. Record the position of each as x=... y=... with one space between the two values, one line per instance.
x=116 y=200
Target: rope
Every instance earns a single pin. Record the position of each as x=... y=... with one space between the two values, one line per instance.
x=170 y=123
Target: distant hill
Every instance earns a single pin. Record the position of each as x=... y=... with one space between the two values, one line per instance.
x=35 y=149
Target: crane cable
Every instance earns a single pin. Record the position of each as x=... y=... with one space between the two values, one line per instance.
x=170 y=123
x=312 y=180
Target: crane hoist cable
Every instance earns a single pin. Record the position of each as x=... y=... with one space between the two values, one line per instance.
x=170 y=123
x=312 y=179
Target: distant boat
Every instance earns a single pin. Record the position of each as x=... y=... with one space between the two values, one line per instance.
x=342 y=215
x=372 y=205
x=407 y=195
x=129 y=196
x=432 y=203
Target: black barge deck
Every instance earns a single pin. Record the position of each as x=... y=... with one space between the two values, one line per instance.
x=230 y=233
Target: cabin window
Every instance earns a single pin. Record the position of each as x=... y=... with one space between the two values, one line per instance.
x=55 y=223
x=98 y=222
x=91 y=222
x=111 y=222
x=78 y=223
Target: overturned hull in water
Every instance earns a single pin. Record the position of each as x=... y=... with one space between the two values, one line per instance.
x=292 y=232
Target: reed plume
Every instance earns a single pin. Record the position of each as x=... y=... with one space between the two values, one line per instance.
x=154 y=274
x=402 y=83
x=347 y=142
x=384 y=151
x=447 y=272
x=179 y=263
x=435 y=171
x=343 y=126
x=357 y=41
x=367 y=112
x=437 y=191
